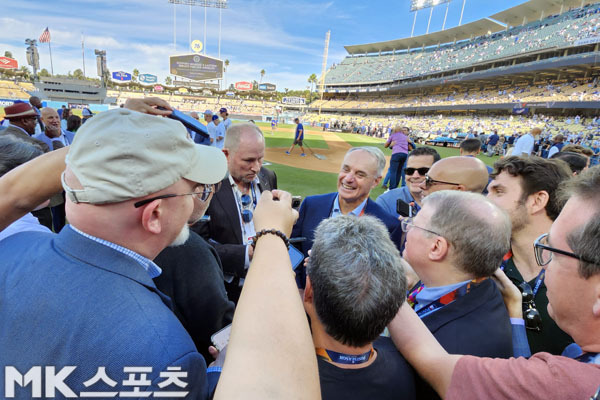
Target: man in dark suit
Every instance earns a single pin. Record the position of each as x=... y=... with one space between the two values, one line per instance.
x=455 y=244
x=230 y=227
x=361 y=171
x=23 y=120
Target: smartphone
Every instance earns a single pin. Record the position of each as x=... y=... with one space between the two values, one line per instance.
x=403 y=208
x=221 y=338
x=296 y=201
x=188 y=122
x=296 y=257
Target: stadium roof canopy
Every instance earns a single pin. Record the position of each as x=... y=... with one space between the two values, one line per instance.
x=536 y=9
x=523 y=13
x=462 y=32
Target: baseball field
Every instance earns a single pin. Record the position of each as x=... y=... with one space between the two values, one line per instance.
x=316 y=173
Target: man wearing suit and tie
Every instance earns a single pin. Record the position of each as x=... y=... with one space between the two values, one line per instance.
x=231 y=227
x=360 y=172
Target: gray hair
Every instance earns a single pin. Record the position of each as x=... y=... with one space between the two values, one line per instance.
x=585 y=240
x=234 y=135
x=377 y=155
x=357 y=276
x=14 y=152
x=478 y=230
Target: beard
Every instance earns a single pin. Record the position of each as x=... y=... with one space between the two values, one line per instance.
x=182 y=237
x=519 y=218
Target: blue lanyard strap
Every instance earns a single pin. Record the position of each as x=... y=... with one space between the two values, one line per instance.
x=341 y=358
x=538 y=281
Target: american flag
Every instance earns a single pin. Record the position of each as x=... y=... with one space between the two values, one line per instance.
x=45 y=36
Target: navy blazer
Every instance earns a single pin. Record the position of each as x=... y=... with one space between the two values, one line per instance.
x=68 y=300
x=315 y=209
x=475 y=324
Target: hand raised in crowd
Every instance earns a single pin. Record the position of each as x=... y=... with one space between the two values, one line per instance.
x=274 y=211
x=513 y=299
x=148 y=105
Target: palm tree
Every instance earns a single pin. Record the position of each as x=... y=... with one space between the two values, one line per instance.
x=8 y=54
x=262 y=73
x=168 y=80
x=312 y=79
x=135 y=74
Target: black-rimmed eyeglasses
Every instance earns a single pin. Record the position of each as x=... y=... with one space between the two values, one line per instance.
x=429 y=181
x=543 y=252
x=407 y=225
x=202 y=195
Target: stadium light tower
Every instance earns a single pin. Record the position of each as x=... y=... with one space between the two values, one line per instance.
x=220 y=4
x=416 y=5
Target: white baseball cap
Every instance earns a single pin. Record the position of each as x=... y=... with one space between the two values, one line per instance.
x=122 y=154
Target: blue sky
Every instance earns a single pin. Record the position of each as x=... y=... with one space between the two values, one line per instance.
x=285 y=38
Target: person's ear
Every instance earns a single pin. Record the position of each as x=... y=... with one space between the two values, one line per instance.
x=151 y=217
x=438 y=249
x=595 y=280
x=538 y=201
x=308 y=292
x=376 y=183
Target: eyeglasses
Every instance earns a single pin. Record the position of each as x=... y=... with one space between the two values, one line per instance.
x=202 y=195
x=532 y=317
x=421 y=171
x=543 y=252
x=429 y=181
x=247 y=214
x=407 y=224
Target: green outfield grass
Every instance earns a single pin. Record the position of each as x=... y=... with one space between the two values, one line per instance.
x=303 y=182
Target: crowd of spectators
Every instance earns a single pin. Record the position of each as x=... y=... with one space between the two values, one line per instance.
x=555 y=31
x=177 y=253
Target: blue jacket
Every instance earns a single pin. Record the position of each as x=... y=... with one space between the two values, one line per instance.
x=388 y=200
x=315 y=209
x=69 y=301
x=69 y=136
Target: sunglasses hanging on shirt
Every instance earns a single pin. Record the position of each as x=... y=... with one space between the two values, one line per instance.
x=247 y=214
x=532 y=317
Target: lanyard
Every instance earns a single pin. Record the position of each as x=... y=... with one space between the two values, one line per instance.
x=341 y=358
x=442 y=301
x=538 y=280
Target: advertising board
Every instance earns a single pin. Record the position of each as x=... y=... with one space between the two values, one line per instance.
x=196 y=67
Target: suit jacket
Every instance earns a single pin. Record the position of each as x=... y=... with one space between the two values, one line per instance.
x=192 y=276
x=224 y=229
x=315 y=209
x=68 y=300
x=24 y=136
x=69 y=136
x=475 y=324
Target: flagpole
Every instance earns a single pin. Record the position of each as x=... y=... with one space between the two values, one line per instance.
x=51 y=66
x=83 y=54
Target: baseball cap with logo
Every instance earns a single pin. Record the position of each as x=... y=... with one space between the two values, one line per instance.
x=223 y=110
x=123 y=154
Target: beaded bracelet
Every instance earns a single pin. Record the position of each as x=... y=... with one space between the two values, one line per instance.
x=272 y=232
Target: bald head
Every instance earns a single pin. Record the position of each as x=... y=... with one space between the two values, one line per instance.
x=51 y=122
x=467 y=174
x=242 y=132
